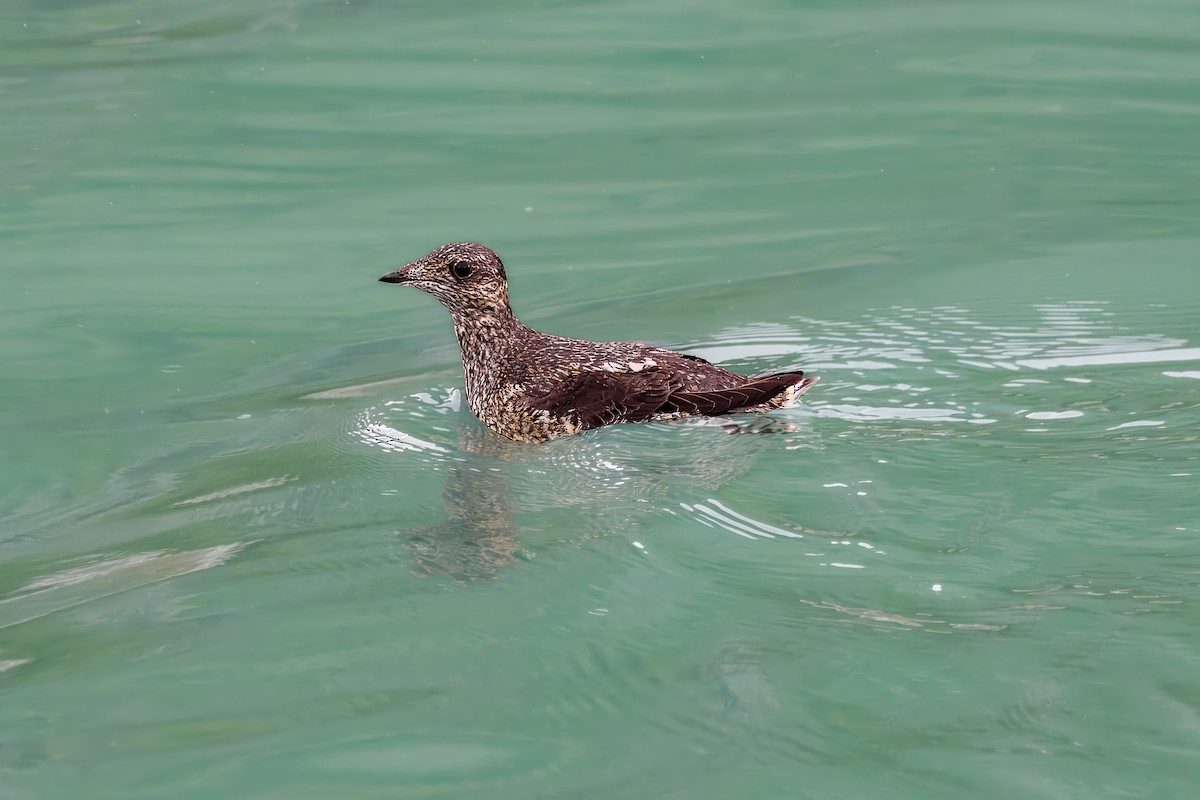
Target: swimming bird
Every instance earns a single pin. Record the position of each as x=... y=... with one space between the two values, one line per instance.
x=533 y=387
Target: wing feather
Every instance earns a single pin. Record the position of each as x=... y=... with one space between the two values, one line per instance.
x=596 y=398
x=722 y=401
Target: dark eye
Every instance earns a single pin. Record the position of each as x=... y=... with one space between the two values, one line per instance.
x=461 y=269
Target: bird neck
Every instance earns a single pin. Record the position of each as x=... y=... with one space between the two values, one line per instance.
x=481 y=330
x=486 y=340
x=486 y=337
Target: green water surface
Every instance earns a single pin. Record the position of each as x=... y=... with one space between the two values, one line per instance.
x=252 y=545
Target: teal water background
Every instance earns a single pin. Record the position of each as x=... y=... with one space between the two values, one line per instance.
x=251 y=545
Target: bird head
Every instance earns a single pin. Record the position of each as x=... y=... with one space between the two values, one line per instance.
x=466 y=277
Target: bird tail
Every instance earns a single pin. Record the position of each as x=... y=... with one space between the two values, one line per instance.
x=772 y=391
x=790 y=396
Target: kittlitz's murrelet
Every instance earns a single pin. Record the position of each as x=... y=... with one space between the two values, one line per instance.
x=533 y=386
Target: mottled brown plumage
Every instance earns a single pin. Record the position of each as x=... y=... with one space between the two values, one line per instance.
x=533 y=386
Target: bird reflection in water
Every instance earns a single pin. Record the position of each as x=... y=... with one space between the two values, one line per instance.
x=612 y=477
x=479 y=538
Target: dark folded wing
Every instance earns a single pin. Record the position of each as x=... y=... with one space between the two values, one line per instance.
x=596 y=398
x=753 y=392
x=691 y=357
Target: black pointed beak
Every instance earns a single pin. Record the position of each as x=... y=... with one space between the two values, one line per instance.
x=393 y=277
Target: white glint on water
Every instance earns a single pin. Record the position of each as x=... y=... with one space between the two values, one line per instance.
x=763 y=528
x=1053 y=414
x=853 y=413
x=388 y=438
x=1107 y=359
x=1140 y=423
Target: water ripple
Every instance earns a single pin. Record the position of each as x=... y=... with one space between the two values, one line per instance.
x=78 y=585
